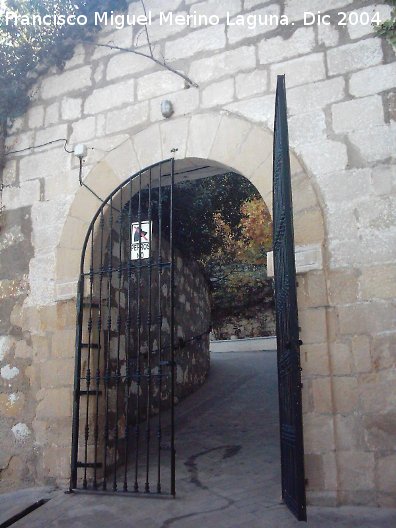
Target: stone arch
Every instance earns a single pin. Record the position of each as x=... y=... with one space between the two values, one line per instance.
x=228 y=142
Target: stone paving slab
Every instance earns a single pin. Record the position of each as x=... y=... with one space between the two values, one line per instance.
x=228 y=468
x=15 y=502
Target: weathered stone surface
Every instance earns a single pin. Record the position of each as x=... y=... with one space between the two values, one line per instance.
x=208 y=39
x=372 y=80
x=222 y=64
x=68 y=81
x=110 y=97
x=356 y=470
x=376 y=143
x=36 y=116
x=127 y=64
x=127 y=117
x=318 y=94
x=253 y=83
x=358 y=114
x=71 y=108
x=158 y=83
x=359 y=30
x=276 y=49
x=218 y=93
x=302 y=70
x=236 y=33
x=295 y=9
x=353 y=57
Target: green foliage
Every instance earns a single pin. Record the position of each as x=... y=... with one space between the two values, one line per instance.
x=28 y=50
x=388 y=28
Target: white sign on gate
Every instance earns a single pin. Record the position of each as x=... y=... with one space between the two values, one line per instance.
x=141 y=240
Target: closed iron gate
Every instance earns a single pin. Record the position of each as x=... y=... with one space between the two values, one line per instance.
x=123 y=409
x=287 y=330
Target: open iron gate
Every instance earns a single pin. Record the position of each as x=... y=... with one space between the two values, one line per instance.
x=125 y=369
x=287 y=330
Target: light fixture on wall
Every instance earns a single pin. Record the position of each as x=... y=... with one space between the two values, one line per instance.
x=166 y=108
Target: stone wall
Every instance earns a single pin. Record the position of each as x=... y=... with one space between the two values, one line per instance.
x=342 y=133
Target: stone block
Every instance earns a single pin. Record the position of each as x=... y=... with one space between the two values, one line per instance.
x=83 y=130
x=383 y=351
x=308 y=227
x=361 y=353
x=256 y=109
x=63 y=343
x=314 y=473
x=386 y=473
x=277 y=49
x=318 y=433
x=202 y=132
x=345 y=394
x=349 y=433
x=295 y=9
x=382 y=178
x=315 y=360
x=112 y=96
x=236 y=33
x=378 y=282
x=345 y=186
x=313 y=325
x=333 y=156
x=302 y=70
x=19 y=142
x=223 y=64
x=342 y=360
x=307 y=128
x=319 y=95
x=373 y=80
x=10 y=172
x=362 y=318
x=343 y=286
x=356 y=470
x=126 y=65
x=11 y=405
x=322 y=397
x=252 y=83
x=158 y=83
x=209 y=38
x=357 y=31
x=54 y=403
x=229 y=141
x=52 y=114
x=152 y=137
x=358 y=114
x=68 y=81
x=127 y=118
x=218 y=93
x=328 y=36
x=25 y=195
x=380 y=430
x=35 y=116
x=357 y=56
x=56 y=462
x=71 y=108
x=174 y=134
x=44 y=164
x=377 y=392
x=55 y=373
x=220 y=7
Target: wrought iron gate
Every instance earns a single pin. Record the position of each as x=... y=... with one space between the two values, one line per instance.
x=125 y=369
x=287 y=330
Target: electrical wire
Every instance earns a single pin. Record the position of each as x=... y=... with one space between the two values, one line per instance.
x=42 y=145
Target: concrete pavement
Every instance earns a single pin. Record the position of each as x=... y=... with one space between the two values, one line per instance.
x=228 y=468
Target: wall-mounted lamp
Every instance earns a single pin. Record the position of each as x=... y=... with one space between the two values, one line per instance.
x=166 y=108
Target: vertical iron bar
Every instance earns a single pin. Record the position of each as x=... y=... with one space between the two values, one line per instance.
x=172 y=333
x=99 y=327
x=148 y=430
x=118 y=373
x=128 y=336
x=88 y=373
x=76 y=393
x=107 y=360
x=138 y=373
x=159 y=272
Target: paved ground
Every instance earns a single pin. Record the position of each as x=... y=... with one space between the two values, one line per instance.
x=227 y=469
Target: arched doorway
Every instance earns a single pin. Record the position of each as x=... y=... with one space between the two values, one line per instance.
x=252 y=151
